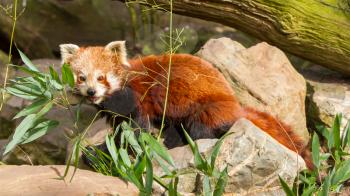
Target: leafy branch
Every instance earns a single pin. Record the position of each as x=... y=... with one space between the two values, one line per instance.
x=41 y=89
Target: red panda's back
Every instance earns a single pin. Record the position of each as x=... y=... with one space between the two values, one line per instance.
x=192 y=82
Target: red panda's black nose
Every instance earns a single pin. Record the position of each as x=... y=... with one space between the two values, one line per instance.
x=91 y=92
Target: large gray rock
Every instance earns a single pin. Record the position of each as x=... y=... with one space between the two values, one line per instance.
x=262 y=78
x=254 y=160
x=328 y=95
x=43 y=180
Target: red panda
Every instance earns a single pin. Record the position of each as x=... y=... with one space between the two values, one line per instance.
x=199 y=97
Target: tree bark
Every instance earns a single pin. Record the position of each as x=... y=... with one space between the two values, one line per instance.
x=317 y=30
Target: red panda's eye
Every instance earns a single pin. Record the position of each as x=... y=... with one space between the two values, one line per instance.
x=82 y=78
x=100 y=78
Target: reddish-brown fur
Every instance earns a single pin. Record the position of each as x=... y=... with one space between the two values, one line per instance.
x=198 y=91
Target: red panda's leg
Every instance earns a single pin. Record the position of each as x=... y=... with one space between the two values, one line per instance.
x=173 y=135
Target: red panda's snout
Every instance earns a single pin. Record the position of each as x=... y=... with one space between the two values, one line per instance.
x=96 y=85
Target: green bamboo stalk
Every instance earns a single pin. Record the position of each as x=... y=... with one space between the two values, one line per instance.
x=171 y=50
x=14 y=18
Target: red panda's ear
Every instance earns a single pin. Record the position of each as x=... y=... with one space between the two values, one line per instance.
x=67 y=51
x=118 y=48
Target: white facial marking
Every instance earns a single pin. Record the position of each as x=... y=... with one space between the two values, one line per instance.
x=114 y=82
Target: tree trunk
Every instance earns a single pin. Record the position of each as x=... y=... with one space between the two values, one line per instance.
x=317 y=30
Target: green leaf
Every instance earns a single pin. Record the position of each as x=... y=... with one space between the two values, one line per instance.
x=163 y=165
x=125 y=157
x=324 y=156
x=346 y=135
x=18 y=93
x=286 y=188
x=326 y=185
x=216 y=150
x=140 y=167
x=222 y=181
x=32 y=108
x=54 y=75
x=336 y=131
x=130 y=137
x=199 y=162
x=308 y=177
x=27 y=62
x=149 y=176
x=206 y=186
x=21 y=129
x=125 y=173
x=172 y=186
x=112 y=149
x=27 y=123
x=45 y=109
x=329 y=135
x=39 y=130
x=25 y=69
x=67 y=75
x=157 y=148
x=316 y=150
x=76 y=153
x=55 y=79
x=29 y=88
x=342 y=174
x=310 y=190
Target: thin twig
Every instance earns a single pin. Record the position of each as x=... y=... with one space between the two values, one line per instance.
x=14 y=18
x=169 y=69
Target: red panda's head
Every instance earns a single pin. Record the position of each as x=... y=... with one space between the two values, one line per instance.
x=98 y=71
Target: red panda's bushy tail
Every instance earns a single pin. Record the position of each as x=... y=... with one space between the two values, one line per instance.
x=279 y=131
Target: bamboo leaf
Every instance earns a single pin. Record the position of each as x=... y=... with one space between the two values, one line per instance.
x=27 y=123
x=157 y=148
x=131 y=138
x=216 y=150
x=54 y=75
x=342 y=174
x=316 y=150
x=39 y=130
x=18 y=93
x=21 y=129
x=67 y=75
x=285 y=187
x=125 y=157
x=206 y=186
x=27 y=62
x=325 y=185
x=346 y=135
x=172 y=186
x=32 y=108
x=55 y=79
x=76 y=153
x=309 y=190
x=199 y=161
x=336 y=131
x=140 y=167
x=31 y=89
x=149 y=176
x=222 y=181
x=112 y=149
